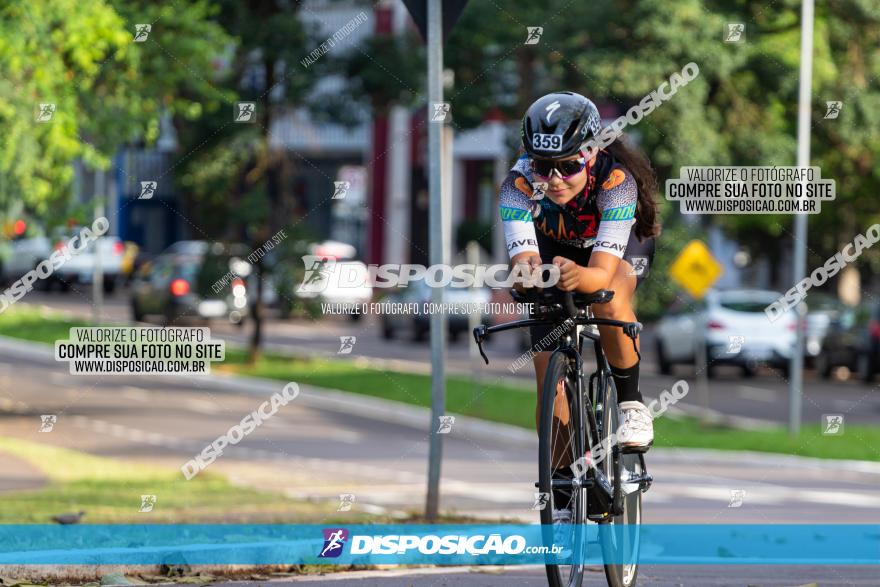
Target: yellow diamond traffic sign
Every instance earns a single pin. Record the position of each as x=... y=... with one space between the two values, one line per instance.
x=695 y=269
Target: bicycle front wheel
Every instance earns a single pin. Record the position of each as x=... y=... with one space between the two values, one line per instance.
x=561 y=441
x=620 y=534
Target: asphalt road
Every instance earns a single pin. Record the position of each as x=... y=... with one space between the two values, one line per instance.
x=762 y=398
x=320 y=446
x=649 y=576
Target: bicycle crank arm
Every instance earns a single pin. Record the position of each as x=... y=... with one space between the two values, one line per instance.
x=603 y=482
x=645 y=480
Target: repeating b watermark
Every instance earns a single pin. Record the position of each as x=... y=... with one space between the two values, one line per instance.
x=832 y=424
x=639 y=266
x=541 y=501
x=832 y=109
x=735 y=343
x=736 y=498
x=346 y=345
x=47 y=422
x=245 y=112
x=147 y=503
x=440 y=111
x=346 y=501
x=446 y=423
x=142 y=32
x=735 y=32
x=340 y=189
x=45 y=112
x=148 y=190
x=534 y=34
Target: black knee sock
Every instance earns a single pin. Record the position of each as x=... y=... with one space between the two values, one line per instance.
x=627 y=383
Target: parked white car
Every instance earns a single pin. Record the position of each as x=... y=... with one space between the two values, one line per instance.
x=342 y=281
x=21 y=255
x=735 y=329
x=81 y=266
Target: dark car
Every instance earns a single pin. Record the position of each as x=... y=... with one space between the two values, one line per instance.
x=193 y=279
x=853 y=341
x=822 y=310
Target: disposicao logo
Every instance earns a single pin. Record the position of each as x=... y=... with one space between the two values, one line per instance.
x=334 y=541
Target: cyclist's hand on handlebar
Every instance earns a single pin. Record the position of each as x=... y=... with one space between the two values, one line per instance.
x=569 y=274
x=528 y=268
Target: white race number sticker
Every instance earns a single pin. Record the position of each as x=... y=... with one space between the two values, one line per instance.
x=547 y=142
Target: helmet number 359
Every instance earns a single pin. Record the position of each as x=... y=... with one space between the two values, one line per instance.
x=547 y=142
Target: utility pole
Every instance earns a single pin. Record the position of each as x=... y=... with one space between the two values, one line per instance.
x=796 y=371
x=437 y=250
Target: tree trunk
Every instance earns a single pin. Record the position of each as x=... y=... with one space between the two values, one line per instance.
x=265 y=232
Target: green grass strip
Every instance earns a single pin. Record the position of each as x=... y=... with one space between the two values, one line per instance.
x=486 y=399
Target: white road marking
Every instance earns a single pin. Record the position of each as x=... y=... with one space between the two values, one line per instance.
x=136 y=393
x=61 y=379
x=203 y=406
x=767 y=495
x=756 y=393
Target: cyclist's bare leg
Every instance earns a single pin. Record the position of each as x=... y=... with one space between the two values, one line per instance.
x=617 y=346
x=561 y=456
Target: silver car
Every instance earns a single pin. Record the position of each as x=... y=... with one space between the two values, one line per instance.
x=730 y=327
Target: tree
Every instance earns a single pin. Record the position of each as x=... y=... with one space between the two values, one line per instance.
x=103 y=88
x=234 y=179
x=741 y=110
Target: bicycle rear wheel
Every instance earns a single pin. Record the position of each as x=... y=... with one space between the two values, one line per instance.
x=620 y=535
x=560 y=442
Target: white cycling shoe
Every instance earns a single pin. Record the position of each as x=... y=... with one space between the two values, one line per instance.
x=562 y=532
x=562 y=516
x=636 y=432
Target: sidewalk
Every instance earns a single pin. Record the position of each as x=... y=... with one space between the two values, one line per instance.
x=19 y=474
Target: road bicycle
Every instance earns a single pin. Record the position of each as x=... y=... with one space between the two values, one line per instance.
x=585 y=418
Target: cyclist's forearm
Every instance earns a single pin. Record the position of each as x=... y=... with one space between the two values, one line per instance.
x=593 y=279
x=524 y=258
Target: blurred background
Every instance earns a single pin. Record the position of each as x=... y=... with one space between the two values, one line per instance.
x=208 y=130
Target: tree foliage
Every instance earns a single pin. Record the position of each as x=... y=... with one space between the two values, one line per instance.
x=741 y=110
x=106 y=89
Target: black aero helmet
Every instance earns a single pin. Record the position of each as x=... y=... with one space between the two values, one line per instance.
x=558 y=124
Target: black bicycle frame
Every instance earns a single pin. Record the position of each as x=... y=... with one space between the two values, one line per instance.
x=571 y=344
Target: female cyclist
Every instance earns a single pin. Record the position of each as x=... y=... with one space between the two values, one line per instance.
x=592 y=213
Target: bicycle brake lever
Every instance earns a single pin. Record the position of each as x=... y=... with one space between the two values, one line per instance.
x=480 y=335
x=632 y=330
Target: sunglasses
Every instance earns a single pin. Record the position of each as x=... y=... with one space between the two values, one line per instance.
x=564 y=169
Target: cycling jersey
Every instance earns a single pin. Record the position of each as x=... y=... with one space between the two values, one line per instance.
x=599 y=218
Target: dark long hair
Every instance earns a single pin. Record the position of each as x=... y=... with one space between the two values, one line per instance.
x=637 y=163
